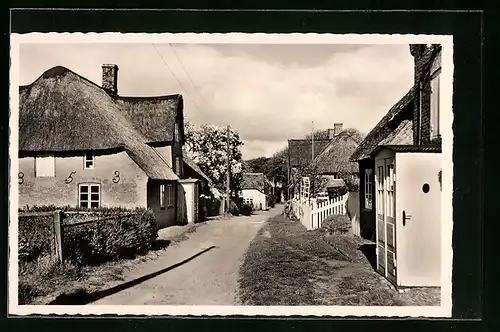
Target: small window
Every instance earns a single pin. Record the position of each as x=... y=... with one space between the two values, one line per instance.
x=89 y=195
x=88 y=161
x=45 y=166
x=176 y=132
x=170 y=199
x=162 y=196
x=435 y=97
x=368 y=189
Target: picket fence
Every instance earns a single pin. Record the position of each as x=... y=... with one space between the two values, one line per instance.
x=312 y=213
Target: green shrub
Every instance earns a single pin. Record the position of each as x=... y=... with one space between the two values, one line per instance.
x=122 y=233
x=272 y=201
x=338 y=191
x=246 y=209
x=35 y=237
x=122 y=236
x=233 y=208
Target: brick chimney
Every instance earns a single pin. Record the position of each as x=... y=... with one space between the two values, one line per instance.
x=110 y=79
x=337 y=128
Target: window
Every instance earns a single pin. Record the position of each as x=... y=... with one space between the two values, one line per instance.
x=162 y=196
x=368 y=189
x=434 y=111
x=45 y=166
x=176 y=132
x=169 y=197
x=89 y=195
x=88 y=161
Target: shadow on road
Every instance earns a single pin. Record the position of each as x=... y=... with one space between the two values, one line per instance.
x=82 y=297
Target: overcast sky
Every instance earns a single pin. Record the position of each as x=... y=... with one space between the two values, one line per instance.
x=269 y=93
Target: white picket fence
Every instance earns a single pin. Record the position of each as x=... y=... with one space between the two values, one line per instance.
x=311 y=214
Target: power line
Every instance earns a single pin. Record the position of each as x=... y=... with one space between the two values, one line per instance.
x=189 y=76
x=175 y=76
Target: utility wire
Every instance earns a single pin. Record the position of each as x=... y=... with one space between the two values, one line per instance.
x=189 y=76
x=175 y=76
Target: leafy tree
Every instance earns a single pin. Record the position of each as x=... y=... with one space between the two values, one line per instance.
x=207 y=146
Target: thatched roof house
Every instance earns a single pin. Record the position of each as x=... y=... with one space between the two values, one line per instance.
x=254 y=181
x=64 y=113
x=335 y=156
x=300 y=151
x=395 y=128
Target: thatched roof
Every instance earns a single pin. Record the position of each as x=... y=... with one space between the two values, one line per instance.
x=395 y=128
x=254 y=181
x=62 y=111
x=335 y=156
x=190 y=163
x=154 y=117
x=300 y=150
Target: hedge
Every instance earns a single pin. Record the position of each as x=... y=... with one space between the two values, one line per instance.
x=123 y=233
x=35 y=235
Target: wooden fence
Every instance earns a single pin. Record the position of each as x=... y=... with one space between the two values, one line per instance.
x=312 y=213
x=61 y=221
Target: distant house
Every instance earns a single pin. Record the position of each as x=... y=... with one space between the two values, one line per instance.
x=302 y=152
x=253 y=190
x=334 y=161
x=84 y=145
x=400 y=165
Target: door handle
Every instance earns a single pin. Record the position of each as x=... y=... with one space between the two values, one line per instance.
x=405 y=217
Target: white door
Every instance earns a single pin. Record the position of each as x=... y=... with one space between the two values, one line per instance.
x=385 y=211
x=419 y=219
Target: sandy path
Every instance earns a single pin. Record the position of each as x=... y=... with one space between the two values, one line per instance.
x=211 y=278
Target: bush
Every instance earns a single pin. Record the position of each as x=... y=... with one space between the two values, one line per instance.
x=122 y=233
x=233 y=208
x=246 y=209
x=35 y=237
x=338 y=191
x=122 y=236
x=272 y=201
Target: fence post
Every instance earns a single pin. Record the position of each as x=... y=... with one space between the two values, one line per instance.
x=58 y=235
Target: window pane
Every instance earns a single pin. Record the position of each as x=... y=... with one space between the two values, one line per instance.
x=94 y=197
x=84 y=204
x=94 y=189
x=94 y=204
x=84 y=197
x=84 y=189
x=89 y=164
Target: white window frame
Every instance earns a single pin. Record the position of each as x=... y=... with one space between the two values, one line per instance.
x=86 y=160
x=368 y=189
x=176 y=132
x=170 y=193
x=89 y=192
x=41 y=163
x=435 y=72
x=162 y=196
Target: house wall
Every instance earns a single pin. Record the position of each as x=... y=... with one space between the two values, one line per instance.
x=164 y=216
x=422 y=101
x=259 y=199
x=166 y=153
x=366 y=216
x=129 y=191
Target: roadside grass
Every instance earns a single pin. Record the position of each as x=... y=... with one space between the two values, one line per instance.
x=42 y=281
x=287 y=265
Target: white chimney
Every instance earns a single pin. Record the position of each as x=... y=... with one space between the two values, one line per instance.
x=337 y=128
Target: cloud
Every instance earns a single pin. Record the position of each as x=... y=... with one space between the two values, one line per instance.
x=269 y=93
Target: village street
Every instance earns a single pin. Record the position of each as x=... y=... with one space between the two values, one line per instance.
x=211 y=278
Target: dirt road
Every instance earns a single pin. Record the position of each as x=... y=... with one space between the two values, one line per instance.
x=202 y=270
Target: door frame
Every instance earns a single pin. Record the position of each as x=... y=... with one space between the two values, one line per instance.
x=382 y=159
